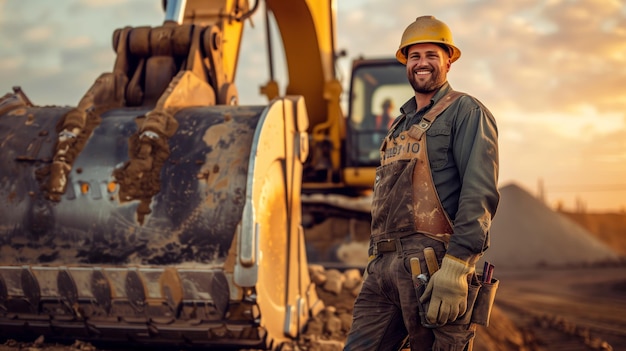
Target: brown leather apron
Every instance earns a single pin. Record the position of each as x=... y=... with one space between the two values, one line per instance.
x=405 y=200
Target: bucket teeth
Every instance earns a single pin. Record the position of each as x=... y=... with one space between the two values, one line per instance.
x=150 y=304
x=30 y=286
x=101 y=289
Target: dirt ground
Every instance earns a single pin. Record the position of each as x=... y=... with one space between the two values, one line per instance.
x=567 y=309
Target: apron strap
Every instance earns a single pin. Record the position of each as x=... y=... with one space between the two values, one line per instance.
x=417 y=130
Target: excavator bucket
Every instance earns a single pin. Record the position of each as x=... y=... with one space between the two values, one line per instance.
x=205 y=249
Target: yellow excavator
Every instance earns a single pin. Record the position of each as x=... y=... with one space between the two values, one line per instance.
x=162 y=210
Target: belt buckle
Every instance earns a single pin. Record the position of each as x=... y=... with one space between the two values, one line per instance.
x=384 y=241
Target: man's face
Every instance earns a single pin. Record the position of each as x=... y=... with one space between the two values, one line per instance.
x=427 y=67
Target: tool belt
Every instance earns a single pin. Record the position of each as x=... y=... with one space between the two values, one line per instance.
x=481 y=291
x=392 y=244
x=480 y=297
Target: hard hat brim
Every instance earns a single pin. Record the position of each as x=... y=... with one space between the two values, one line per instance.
x=454 y=53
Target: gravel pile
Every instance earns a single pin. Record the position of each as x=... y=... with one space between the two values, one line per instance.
x=527 y=233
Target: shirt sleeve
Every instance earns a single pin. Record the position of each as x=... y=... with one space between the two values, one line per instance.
x=475 y=149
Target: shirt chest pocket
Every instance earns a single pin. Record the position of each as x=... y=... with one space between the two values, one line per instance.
x=438 y=146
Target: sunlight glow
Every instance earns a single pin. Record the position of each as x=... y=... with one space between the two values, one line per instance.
x=584 y=123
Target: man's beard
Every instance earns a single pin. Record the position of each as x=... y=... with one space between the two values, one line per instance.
x=428 y=86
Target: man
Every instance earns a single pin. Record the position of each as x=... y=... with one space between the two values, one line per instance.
x=435 y=191
x=384 y=120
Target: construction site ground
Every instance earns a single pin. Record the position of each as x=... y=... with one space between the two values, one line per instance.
x=565 y=309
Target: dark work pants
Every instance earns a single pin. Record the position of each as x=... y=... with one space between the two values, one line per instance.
x=386 y=309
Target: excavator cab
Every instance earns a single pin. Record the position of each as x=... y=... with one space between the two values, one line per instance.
x=377 y=89
x=337 y=218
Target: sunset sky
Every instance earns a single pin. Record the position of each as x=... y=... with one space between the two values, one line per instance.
x=553 y=72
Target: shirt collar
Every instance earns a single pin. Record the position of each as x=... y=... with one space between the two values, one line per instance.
x=411 y=106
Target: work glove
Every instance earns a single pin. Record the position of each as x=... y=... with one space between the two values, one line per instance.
x=447 y=290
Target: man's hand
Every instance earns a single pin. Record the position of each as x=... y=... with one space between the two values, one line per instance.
x=447 y=290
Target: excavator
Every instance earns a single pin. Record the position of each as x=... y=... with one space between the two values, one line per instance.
x=162 y=210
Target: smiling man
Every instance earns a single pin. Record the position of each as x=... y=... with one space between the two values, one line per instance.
x=434 y=198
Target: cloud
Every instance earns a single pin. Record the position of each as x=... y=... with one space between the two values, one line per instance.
x=78 y=42
x=100 y=3
x=10 y=63
x=539 y=56
x=535 y=55
x=37 y=34
x=56 y=52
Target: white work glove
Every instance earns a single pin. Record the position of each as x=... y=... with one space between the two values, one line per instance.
x=447 y=290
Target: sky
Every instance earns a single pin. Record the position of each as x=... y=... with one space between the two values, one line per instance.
x=552 y=72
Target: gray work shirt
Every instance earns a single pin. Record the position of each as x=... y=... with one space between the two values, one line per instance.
x=462 y=148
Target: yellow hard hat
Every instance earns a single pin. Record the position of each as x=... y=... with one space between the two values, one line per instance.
x=427 y=29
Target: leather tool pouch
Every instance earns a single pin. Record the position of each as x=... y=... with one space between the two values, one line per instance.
x=484 y=301
x=480 y=299
x=474 y=290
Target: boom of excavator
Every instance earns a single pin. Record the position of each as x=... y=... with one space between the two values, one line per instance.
x=161 y=210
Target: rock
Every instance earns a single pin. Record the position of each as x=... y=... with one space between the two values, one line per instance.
x=353 y=279
x=318 y=274
x=334 y=282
